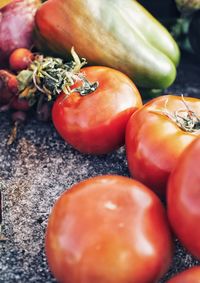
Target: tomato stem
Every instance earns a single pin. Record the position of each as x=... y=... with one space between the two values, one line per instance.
x=86 y=88
x=50 y=76
x=186 y=119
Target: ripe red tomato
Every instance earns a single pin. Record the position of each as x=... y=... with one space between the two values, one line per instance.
x=191 y=275
x=183 y=196
x=96 y=123
x=154 y=141
x=108 y=229
x=20 y=59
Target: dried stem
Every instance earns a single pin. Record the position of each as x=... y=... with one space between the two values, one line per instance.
x=13 y=133
x=184 y=118
x=49 y=76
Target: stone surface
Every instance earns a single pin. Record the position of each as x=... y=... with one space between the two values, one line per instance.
x=37 y=169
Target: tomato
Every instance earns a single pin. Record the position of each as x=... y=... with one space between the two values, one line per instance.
x=95 y=123
x=183 y=198
x=191 y=275
x=20 y=59
x=154 y=141
x=108 y=229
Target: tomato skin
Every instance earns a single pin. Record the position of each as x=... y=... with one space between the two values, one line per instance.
x=108 y=229
x=20 y=59
x=191 y=275
x=154 y=142
x=183 y=198
x=96 y=123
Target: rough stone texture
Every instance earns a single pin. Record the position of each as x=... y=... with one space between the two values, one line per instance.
x=37 y=169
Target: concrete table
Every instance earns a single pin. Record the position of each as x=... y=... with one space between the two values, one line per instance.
x=38 y=168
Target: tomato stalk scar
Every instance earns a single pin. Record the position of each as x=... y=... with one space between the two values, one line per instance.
x=185 y=119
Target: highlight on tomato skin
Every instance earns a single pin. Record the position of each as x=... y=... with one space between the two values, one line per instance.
x=191 y=275
x=183 y=199
x=108 y=229
x=95 y=123
x=157 y=134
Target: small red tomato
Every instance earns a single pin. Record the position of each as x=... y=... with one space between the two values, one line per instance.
x=157 y=134
x=183 y=198
x=108 y=229
x=20 y=59
x=191 y=275
x=95 y=123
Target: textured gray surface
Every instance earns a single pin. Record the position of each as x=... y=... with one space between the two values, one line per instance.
x=37 y=169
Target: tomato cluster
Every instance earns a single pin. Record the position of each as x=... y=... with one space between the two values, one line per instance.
x=9 y=99
x=115 y=229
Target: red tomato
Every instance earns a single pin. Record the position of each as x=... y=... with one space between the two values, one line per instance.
x=154 y=141
x=183 y=197
x=191 y=275
x=96 y=123
x=20 y=59
x=108 y=229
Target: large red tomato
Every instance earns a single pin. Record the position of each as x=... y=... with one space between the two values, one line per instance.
x=95 y=123
x=108 y=229
x=183 y=196
x=191 y=275
x=156 y=136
